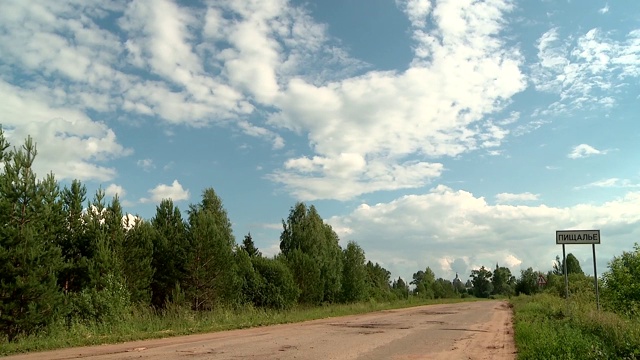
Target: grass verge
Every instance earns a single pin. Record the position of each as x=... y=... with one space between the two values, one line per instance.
x=147 y=324
x=547 y=328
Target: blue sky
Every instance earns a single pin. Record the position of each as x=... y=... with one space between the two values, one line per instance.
x=451 y=134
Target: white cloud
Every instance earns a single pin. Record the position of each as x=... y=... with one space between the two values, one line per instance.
x=348 y=175
x=468 y=232
x=416 y=10
x=610 y=183
x=146 y=164
x=129 y=221
x=584 y=150
x=69 y=143
x=604 y=10
x=175 y=192
x=391 y=121
x=113 y=190
x=588 y=71
x=257 y=131
x=511 y=198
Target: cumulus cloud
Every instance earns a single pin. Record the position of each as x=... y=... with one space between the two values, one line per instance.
x=165 y=61
x=175 y=192
x=416 y=10
x=455 y=231
x=390 y=121
x=511 y=198
x=69 y=143
x=584 y=150
x=113 y=190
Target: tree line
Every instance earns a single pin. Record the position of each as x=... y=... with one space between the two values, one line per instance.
x=63 y=258
x=66 y=258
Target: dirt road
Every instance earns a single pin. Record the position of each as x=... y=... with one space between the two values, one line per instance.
x=475 y=330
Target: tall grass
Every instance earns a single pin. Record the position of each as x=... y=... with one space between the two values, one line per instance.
x=144 y=323
x=547 y=327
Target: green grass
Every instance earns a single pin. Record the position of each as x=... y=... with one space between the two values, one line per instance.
x=146 y=324
x=547 y=328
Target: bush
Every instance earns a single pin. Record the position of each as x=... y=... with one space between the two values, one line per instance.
x=276 y=288
x=109 y=305
x=621 y=288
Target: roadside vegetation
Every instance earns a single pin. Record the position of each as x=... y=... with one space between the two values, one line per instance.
x=76 y=271
x=549 y=326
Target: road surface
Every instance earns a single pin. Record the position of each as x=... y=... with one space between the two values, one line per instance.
x=472 y=330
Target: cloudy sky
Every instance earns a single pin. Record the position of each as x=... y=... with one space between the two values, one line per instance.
x=447 y=133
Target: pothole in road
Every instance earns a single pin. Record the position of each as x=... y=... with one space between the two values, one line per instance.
x=370 y=332
x=287 y=347
x=372 y=326
x=461 y=329
x=429 y=312
x=434 y=322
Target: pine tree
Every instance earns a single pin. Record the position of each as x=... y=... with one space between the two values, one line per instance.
x=211 y=276
x=137 y=258
x=249 y=247
x=170 y=249
x=106 y=298
x=29 y=259
x=77 y=248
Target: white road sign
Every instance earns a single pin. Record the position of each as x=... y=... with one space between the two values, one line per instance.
x=578 y=237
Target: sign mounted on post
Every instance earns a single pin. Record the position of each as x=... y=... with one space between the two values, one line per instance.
x=564 y=237
x=577 y=237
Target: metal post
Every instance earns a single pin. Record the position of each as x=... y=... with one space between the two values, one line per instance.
x=566 y=277
x=595 y=276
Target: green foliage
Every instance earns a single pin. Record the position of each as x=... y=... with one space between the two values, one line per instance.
x=400 y=288
x=249 y=247
x=379 y=282
x=424 y=283
x=481 y=280
x=331 y=269
x=276 y=288
x=527 y=283
x=573 y=265
x=546 y=329
x=354 y=273
x=503 y=282
x=621 y=286
x=137 y=258
x=307 y=276
x=109 y=304
x=249 y=280
x=313 y=254
x=579 y=285
x=170 y=248
x=210 y=268
x=29 y=257
x=77 y=248
x=443 y=289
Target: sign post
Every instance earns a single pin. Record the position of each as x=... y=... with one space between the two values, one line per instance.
x=579 y=237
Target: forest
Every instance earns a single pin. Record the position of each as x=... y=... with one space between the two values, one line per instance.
x=66 y=258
